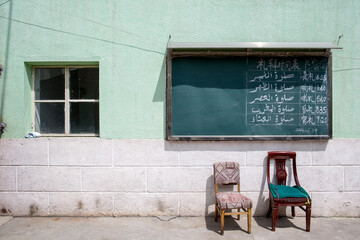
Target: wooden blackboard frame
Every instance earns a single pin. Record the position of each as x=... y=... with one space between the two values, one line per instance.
x=176 y=53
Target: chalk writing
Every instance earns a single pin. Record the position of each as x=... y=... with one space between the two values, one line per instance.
x=273 y=108
x=311 y=88
x=307 y=130
x=274 y=98
x=312 y=77
x=314 y=64
x=282 y=92
x=274 y=64
x=265 y=86
x=277 y=76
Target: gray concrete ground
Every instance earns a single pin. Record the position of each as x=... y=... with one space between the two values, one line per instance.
x=106 y=228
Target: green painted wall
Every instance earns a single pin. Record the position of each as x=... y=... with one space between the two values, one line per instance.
x=128 y=39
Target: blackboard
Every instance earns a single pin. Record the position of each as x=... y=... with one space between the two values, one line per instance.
x=250 y=96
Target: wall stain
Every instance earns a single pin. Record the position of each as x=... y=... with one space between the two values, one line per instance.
x=80 y=205
x=33 y=209
x=97 y=202
x=161 y=206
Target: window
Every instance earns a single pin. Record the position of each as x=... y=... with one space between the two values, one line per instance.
x=66 y=101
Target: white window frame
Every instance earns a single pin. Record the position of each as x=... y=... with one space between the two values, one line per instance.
x=66 y=102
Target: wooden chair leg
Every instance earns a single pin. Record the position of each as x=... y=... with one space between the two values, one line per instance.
x=308 y=218
x=222 y=220
x=293 y=211
x=249 y=220
x=216 y=213
x=275 y=211
x=238 y=216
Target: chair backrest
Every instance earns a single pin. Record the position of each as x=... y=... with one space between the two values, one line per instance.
x=226 y=173
x=280 y=158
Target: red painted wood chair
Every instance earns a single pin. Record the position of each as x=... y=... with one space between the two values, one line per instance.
x=282 y=195
x=228 y=173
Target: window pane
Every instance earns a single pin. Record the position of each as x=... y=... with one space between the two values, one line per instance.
x=49 y=118
x=84 y=83
x=84 y=117
x=49 y=83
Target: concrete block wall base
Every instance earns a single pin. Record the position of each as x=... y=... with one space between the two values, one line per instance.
x=101 y=177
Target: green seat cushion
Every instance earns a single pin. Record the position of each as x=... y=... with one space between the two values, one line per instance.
x=281 y=191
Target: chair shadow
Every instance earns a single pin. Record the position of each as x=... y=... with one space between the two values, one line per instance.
x=262 y=202
x=230 y=224
x=282 y=222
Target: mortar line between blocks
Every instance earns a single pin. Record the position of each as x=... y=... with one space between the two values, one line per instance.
x=113 y=153
x=81 y=180
x=149 y=166
x=330 y=192
x=179 y=156
x=178 y=208
x=48 y=203
x=312 y=154
x=113 y=202
x=246 y=158
x=146 y=180
x=48 y=152
x=343 y=188
x=16 y=180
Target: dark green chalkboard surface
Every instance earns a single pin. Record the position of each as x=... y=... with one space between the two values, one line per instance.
x=249 y=96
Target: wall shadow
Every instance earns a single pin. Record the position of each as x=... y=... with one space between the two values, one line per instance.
x=210 y=195
x=160 y=91
x=159 y=95
x=6 y=64
x=262 y=200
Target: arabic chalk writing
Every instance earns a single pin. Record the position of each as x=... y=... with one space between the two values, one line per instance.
x=280 y=91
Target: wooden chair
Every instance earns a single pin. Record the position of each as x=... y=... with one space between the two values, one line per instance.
x=227 y=173
x=281 y=175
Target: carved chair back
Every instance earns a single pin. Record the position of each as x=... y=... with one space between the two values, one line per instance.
x=280 y=158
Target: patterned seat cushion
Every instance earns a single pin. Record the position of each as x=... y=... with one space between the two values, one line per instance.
x=231 y=200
